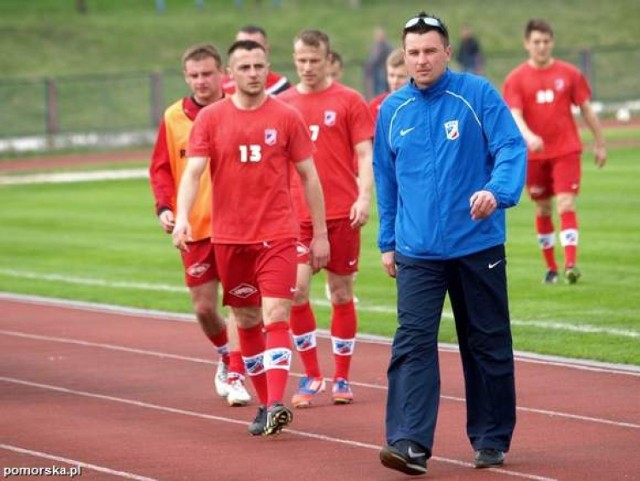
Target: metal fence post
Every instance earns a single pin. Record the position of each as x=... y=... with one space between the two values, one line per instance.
x=51 y=112
x=156 y=100
x=586 y=65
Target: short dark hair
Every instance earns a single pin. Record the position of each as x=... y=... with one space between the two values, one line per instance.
x=336 y=58
x=314 y=38
x=244 y=45
x=423 y=23
x=537 y=25
x=252 y=29
x=201 y=51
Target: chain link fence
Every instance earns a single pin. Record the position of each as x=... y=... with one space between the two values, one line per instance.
x=124 y=109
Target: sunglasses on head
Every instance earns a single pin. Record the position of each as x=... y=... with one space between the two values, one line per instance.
x=428 y=21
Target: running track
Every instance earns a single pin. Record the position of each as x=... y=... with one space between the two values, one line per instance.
x=128 y=395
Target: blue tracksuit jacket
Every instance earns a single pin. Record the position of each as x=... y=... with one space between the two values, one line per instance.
x=433 y=149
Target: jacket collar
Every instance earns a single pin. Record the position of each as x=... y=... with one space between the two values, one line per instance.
x=434 y=90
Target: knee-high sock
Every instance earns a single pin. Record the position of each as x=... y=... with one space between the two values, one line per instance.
x=569 y=237
x=236 y=366
x=221 y=342
x=277 y=359
x=252 y=346
x=303 y=328
x=547 y=241
x=344 y=322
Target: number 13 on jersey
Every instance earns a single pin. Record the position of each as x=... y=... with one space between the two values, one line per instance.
x=250 y=153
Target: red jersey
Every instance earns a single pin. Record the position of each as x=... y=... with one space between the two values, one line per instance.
x=251 y=154
x=545 y=97
x=276 y=84
x=374 y=104
x=338 y=118
x=168 y=162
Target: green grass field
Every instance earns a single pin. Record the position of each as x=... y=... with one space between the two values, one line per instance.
x=100 y=242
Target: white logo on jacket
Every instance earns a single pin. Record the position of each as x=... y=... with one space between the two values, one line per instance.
x=451 y=128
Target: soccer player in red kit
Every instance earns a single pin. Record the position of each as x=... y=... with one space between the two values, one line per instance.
x=341 y=127
x=252 y=142
x=540 y=93
x=202 y=68
x=275 y=83
x=397 y=76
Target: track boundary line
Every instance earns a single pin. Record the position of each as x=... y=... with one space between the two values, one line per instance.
x=211 y=417
x=162 y=355
x=580 y=364
x=74 y=462
x=384 y=309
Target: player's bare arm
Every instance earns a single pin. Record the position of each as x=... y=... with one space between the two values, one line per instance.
x=315 y=200
x=534 y=141
x=360 y=210
x=591 y=119
x=189 y=185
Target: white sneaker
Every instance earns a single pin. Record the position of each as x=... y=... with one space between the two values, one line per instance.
x=237 y=394
x=220 y=380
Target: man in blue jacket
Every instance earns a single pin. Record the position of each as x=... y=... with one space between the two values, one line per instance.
x=448 y=161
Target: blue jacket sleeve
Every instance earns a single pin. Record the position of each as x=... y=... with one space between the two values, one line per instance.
x=386 y=185
x=507 y=147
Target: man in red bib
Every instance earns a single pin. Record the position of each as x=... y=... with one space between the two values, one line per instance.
x=202 y=67
x=252 y=142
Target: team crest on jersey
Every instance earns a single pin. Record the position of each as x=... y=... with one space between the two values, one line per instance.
x=270 y=136
x=559 y=84
x=330 y=118
x=451 y=128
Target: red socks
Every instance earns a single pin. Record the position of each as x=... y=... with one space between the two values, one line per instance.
x=303 y=328
x=547 y=241
x=344 y=323
x=569 y=237
x=277 y=359
x=252 y=345
x=220 y=341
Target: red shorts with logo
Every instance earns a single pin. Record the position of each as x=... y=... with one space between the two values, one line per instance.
x=548 y=177
x=199 y=263
x=252 y=271
x=344 y=242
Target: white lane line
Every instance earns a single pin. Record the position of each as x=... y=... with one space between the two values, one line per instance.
x=75 y=462
x=67 y=177
x=320 y=437
x=177 y=357
x=363 y=307
x=521 y=356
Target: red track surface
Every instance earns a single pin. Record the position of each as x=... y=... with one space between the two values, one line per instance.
x=130 y=396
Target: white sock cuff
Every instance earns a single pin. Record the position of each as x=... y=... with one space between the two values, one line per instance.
x=569 y=237
x=254 y=365
x=343 y=347
x=277 y=358
x=305 y=341
x=546 y=241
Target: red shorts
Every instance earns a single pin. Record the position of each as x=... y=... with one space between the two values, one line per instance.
x=252 y=271
x=548 y=177
x=344 y=242
x=199 y=263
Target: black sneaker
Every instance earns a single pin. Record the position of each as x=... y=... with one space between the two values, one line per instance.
x=489 y=458
x=256 y=428
x=278 y=416
x=405 y=456
x=551 y=277
x=572 y=274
